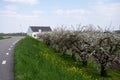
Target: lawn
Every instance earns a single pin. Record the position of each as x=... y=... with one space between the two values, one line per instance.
x=35 y=61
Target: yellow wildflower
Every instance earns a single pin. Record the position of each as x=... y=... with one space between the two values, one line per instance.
x=74 y=69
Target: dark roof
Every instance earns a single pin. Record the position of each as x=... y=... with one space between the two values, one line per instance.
x=43 y=28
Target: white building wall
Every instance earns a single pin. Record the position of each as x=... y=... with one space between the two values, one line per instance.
x=35 y=35
x=29 y=32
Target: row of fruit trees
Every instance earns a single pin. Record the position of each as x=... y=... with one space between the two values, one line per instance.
x=102 y=47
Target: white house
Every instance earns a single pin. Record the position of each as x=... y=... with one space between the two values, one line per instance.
x=35 y=30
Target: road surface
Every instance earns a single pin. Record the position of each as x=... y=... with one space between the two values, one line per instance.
x=6 y=58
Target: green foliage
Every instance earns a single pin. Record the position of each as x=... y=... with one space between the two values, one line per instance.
x=13 y=34
x=35 y=61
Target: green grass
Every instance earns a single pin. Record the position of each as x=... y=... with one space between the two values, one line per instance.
x=1 y=37
x=4 y=37
x=35 y=61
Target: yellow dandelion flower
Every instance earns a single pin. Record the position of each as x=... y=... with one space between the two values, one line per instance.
x=74 y=69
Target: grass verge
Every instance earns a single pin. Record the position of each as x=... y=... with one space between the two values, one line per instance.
x=1 y=37
x=35 y=61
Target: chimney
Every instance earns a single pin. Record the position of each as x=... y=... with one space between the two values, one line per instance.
x=39 y=30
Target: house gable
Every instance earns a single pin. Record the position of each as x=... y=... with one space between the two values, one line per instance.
x=35 y=30
x=29 y=31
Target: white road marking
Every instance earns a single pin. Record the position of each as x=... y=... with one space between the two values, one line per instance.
x=7 y=53
x=11 y=46
x=4 y=62
x=14 y=43
x=9 y=49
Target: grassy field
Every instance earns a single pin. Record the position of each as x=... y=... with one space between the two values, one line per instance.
x=35 y=61
x=1 y=37
x=4 y=37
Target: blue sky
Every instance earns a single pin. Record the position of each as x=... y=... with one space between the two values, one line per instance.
x=18 y=15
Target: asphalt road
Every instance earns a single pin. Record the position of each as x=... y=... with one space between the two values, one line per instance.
x=7 y=58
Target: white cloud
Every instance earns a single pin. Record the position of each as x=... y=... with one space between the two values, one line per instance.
x=14 y=14
x=59 y=11
x=71 y=16
x=38 y=12
x=12 y=20
x=71 y=12
x=108 y=9
x=8 y=13
x=11 y=11
x=103 y=13
x=10 y=7
x=23 y=1
x=8 y=10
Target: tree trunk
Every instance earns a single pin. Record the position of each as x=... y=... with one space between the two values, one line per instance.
x=84 y=62
x=73 y=56
x=63 y=53
x=103 y=71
